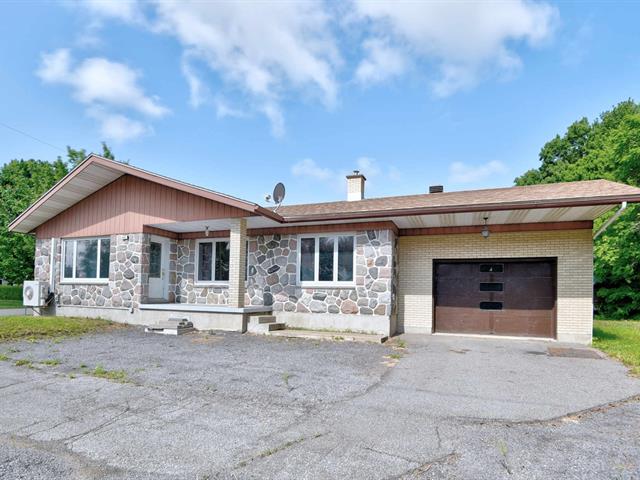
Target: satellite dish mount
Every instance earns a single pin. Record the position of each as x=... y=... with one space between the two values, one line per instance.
x=277 y=196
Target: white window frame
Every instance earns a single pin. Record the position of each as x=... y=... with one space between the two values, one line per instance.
x=213 y=281
x=97 y=279
x=316 y=268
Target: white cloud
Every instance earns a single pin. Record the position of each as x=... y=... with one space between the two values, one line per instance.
x=198 y=91
x=381 y=62
x=118 y=127
x=102 y=85
x=125 y=10
x=460 y=172
x=466 y=40
x=263 y=50
x=310 y=169
x=223 y=109
x=335 y=178
x=368 y=166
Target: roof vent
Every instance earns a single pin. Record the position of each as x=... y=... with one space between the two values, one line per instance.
x=436 y=189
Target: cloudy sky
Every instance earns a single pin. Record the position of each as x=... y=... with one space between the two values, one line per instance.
x=236 y=96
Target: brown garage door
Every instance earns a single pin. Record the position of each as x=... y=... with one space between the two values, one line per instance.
x=499 y=297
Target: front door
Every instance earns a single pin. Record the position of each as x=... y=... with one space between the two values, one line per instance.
x=158 y=268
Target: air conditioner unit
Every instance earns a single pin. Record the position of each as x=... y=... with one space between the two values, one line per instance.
x=35 y=293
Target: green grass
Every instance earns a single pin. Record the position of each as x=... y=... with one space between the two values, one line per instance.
x=52 y=362
x=28 y=327
x=619 y=339
x=119 y=376
x=10 y=303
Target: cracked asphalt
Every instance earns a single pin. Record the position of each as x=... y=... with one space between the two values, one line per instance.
x=204 y=406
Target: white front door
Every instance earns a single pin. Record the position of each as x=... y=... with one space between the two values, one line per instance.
x=158 y=268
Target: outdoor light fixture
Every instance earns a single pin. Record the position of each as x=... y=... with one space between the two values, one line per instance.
x=206 y=230
x=485 y=230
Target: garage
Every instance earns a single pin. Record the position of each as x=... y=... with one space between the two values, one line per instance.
x=495 y=297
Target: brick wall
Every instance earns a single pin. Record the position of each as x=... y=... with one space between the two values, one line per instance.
x=573 y=249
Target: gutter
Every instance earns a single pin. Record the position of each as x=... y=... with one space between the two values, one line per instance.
x=613 y=218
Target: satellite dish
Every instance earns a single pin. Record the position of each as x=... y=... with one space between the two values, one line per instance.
x=278 y=193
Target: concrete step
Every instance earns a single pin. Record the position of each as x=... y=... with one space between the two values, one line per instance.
x=169 y=330
x=263 y=328
x=266 y=319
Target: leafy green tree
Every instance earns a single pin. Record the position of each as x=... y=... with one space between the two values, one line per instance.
x=75 y=157
x=609 y=148
x=21 y=183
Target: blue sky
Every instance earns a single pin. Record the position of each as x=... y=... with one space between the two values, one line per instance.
x=238 y=96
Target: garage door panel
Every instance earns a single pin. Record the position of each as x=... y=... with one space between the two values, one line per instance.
x=463 y=320
x=502 y=297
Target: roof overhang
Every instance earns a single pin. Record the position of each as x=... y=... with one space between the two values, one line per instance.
x=96 y=172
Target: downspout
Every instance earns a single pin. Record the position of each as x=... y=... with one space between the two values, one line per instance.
x=613 y=218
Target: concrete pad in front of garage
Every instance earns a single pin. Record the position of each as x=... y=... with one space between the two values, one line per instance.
x=503 y=379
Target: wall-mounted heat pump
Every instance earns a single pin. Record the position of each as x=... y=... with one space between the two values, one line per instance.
x=35 y=293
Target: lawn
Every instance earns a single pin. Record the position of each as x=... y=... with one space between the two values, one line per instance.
x=15 y=328
x=10 y=303
x=620 y=339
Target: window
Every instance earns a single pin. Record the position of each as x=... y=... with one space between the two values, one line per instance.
x=490 y=305
x=213 y=261
x=491 y=267
x=491 y=286
x=86 y=259
x=326 y=259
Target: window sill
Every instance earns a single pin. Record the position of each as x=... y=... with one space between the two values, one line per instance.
x=211 y=284
x=344 y=286
x=84 y=281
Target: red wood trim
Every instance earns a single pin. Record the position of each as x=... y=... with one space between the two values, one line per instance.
x=331 y=227
x=510 y=227
x=212 y=234
x=160 y=232
x=152 y=177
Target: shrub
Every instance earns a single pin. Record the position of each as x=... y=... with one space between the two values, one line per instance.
x=10 y=292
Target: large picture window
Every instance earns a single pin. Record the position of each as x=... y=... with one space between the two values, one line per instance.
x=326 y=260
x=213 y=261
x=86 y=259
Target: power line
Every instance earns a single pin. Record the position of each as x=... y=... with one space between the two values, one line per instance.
x=31 y=136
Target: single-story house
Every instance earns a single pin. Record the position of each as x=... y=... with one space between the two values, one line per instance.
x=118 y=242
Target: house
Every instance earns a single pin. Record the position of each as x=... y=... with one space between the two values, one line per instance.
x=118 y=242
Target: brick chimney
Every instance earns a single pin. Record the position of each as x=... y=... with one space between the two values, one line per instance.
x=355 y=186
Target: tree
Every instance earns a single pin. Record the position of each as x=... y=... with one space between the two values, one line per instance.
x=75 y=157
x=22 y=182
x=609 y=148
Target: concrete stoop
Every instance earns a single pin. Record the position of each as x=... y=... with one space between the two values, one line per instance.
x=264 y=324
x=172 y=326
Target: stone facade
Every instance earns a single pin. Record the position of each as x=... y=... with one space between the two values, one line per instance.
x=128 y=274
x=186 y=290
x=272 y=277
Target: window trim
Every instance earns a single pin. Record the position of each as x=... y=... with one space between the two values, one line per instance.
x=316 y=261
x=86 y=281
x=213 y=281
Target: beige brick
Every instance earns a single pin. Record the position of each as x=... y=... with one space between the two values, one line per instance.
x=237 y=256
x=572 y=248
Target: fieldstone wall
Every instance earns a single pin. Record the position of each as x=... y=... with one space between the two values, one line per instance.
x=128 y=274
x=272 y=277
x=186 y=290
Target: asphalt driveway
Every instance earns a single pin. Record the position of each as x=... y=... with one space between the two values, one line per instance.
x=240 y=406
